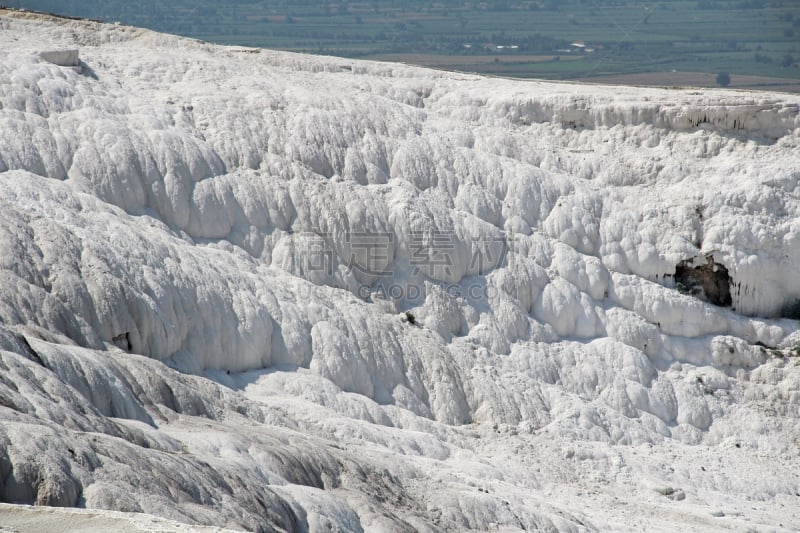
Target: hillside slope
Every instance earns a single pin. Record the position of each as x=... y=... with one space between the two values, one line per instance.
x=268 y=291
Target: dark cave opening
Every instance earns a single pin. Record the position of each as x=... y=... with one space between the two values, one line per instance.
x=710 y=282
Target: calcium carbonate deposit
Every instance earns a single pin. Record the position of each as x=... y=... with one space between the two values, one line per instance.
x=274 y=292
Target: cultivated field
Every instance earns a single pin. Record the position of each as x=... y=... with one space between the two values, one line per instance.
x=699 y=79
x=565 y=40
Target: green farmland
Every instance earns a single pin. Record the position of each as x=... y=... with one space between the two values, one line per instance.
x=673 y=42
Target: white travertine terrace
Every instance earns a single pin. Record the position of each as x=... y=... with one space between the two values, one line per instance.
x=166 y=348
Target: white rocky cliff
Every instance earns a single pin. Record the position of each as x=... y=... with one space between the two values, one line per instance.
x=207 y=255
